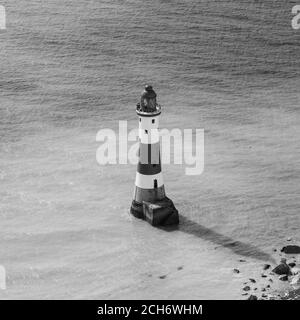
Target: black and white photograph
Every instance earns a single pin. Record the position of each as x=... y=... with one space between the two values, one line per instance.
x=149 y=150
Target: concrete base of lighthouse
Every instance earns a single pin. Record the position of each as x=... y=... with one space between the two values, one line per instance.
x=159 y=213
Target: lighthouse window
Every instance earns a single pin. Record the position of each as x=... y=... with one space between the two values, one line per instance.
x=146 y=131
x=140 y=119
x=155 y=183
x=153 y=120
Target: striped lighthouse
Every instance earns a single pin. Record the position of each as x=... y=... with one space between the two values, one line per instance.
x=149 y=199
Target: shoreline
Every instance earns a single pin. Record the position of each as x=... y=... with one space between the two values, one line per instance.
x=276 y=282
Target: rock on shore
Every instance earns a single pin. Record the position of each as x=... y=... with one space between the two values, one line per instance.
x=292 y=249
x=283 y=268
x=287 y=271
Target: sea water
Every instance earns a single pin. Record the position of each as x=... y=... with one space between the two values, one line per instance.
x=70 y=68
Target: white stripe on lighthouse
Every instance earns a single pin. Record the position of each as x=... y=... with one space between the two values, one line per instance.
x=149 y=122
x=147 y=181
x=148 y=129
x=149 y=136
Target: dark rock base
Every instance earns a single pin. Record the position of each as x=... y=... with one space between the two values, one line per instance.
x=158 y=213
x=291 y=249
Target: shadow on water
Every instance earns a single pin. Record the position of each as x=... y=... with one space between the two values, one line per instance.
x=243 y=249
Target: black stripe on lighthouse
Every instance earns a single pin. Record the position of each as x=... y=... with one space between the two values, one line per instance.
x=149 y=162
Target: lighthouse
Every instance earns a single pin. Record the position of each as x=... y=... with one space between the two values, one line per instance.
x=149 y=199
